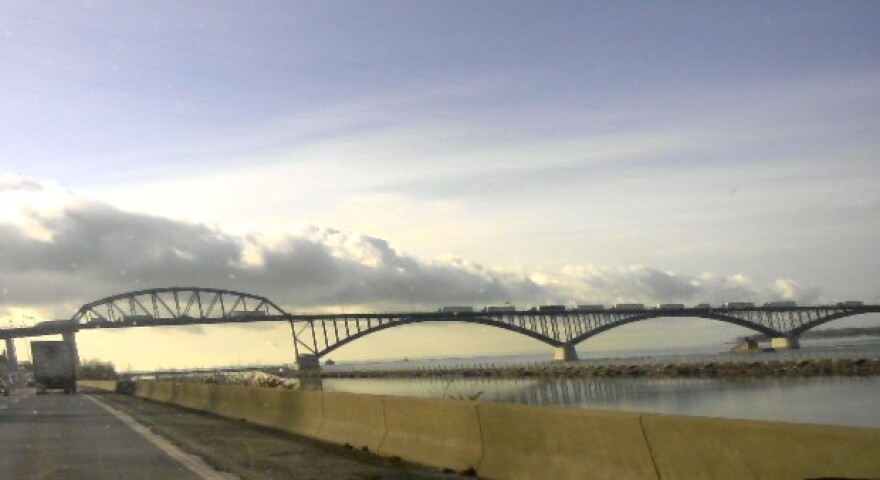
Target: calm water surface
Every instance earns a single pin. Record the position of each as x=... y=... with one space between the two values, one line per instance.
x=850 y=401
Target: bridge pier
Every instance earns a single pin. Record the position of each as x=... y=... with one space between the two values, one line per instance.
x=309 y=371
x=565 y=353
x=785 y=343
x=70 y=339
x=12 y=358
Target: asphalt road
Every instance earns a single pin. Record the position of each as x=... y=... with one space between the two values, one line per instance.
x=57 y=436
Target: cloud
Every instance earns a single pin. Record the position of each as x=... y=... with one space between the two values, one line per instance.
x=650 y=285
x=89 y=250
x=93 y=250
x=10 y=182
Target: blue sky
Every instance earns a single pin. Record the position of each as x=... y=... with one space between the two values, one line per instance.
x=579 y=145
x=103 y=79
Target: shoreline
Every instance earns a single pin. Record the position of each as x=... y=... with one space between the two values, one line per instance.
x=744 y=369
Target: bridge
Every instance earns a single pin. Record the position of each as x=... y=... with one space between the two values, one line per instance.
x=316 y=335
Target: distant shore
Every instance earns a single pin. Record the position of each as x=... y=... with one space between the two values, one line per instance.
x=743 y=369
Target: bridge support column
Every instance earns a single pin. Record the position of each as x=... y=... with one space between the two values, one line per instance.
x=309 y=371
x=70 y=339
x=785 y=343
x=12 y=358
x=565 y=353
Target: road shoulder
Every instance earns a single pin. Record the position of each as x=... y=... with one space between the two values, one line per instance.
x=254 y=452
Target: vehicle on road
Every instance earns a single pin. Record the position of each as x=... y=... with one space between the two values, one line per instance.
x=781 y=304
x=591 y=307
x=629 y=306
x=54 y=366
x=739 y=305
x=851 y=303
x=670 y=306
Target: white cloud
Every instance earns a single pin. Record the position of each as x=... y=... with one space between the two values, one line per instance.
x=25 y=201
x=93 y=250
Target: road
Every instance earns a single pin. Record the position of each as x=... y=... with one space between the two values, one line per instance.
x=57 y=436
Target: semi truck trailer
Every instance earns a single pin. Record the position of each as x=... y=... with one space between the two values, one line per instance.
x=54 y=366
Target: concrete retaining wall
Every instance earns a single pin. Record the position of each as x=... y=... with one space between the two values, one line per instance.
x=500 y=441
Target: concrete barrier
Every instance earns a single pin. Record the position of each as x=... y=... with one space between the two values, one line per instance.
x=710 y=448
x=162 y=392
x=264 y=406
x=142 y=388
x=105 y=385
x=196 y=396
x=229 y=401
x=302 y=412
x=352 y=419
x=433 y=432
x=177 y=392
x=524 y=442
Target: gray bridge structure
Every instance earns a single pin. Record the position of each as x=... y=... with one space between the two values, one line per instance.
x=316 y=335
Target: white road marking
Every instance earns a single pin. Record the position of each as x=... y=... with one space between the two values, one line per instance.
x=191 y=462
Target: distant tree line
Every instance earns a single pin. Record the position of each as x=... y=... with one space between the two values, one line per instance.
x=97 y=370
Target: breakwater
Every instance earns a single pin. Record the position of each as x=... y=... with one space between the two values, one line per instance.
x=743 y=369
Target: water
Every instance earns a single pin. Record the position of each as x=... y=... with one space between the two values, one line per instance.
x=847 y=401
x=850 y=401
x=857 y=347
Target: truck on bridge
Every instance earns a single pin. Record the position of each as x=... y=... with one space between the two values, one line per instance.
x=739 y=305
x=591 y=306
x=54 y=366
x=628 y=306
x=670 y=306
x=781 y=304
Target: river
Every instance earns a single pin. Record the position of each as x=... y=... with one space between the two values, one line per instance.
x=848 y=401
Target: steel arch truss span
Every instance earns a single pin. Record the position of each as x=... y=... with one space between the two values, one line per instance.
x=176 y=306
x=321 y=334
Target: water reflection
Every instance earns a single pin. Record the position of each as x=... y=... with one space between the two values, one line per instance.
x=827 y=400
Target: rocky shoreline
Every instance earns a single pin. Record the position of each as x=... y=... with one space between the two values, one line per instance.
x=744 y=369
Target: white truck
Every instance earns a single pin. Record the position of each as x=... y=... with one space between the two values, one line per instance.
x=54 y=366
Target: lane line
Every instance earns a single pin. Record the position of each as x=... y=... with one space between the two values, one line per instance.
x=193 y=463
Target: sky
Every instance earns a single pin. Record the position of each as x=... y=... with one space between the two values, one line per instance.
x=384 y=155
